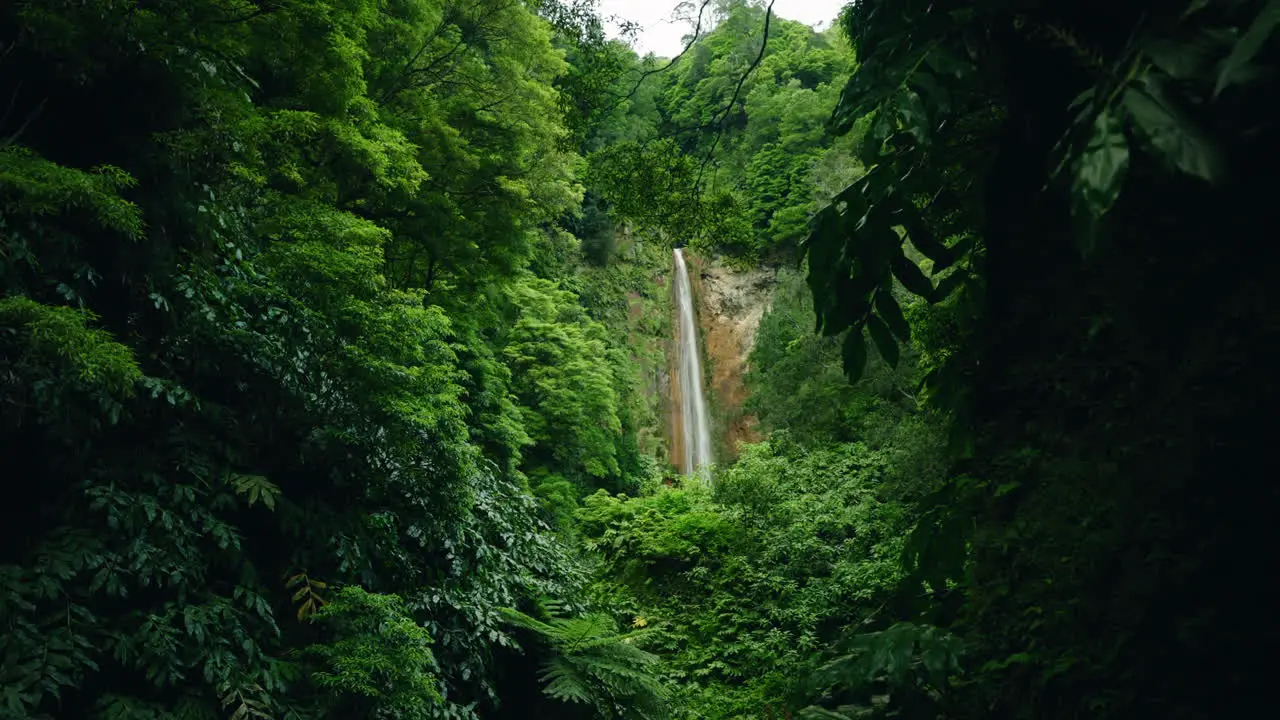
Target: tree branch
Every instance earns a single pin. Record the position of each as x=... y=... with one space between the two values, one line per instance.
x=6 y=142
x=266 y=7
x=723 y=115
x=13 y=99
x=697 y=34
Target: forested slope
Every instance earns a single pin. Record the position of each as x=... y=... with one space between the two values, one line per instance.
x=330 y=360
x=290 y=330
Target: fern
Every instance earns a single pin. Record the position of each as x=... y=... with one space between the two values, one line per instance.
x=593 y=664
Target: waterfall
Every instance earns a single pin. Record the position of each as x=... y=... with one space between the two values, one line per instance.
x=693 y=406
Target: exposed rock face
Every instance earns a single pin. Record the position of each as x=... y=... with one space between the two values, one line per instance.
x=730 y=306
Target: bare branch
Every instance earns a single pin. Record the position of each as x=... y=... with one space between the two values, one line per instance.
x=13 y=99
x=17 y=133
x=720 y=117
x=697 y=34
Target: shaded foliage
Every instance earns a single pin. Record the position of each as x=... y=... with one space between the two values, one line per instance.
x=1070 y=225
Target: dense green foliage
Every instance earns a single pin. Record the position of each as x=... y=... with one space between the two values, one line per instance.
x=332 y=345
x=747 y=584
x=288 y=325
x=735 y=143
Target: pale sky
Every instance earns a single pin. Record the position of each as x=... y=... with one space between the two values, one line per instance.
x=662 y=34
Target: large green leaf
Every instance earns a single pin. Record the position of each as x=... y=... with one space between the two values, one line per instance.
x=1101 y=168
x=888 y=308
x=823 y=246
x=922 y=238
x=1172 y=132
x=909 y=274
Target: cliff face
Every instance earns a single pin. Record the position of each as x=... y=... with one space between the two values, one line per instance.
x=730 y=304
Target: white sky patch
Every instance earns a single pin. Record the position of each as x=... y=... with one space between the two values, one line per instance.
x=661 y=34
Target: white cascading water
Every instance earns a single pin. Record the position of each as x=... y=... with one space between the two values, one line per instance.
x=697 y=432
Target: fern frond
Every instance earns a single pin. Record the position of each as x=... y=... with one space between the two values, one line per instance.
x=565 y=682
x=629 y=639
x=596 y=665
x=519 y=619
x=615 y=672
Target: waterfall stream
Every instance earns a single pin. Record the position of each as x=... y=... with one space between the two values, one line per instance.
x=693 y=406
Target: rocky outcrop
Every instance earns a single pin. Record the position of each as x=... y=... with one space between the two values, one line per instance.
x=731 y=304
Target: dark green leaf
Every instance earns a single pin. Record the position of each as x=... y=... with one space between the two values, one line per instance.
x=946 y=62
x=960 y=441
x=1194 y=7
x=1172 y=133
x=854 y=353
x=931 y=91
x=923 y=239
x=851 y=203
x=948 y=285
x=852 y=300
x=873 y=141
x=885 y=343
x=1235 y=67
x=877 y=244
x=888 y=308
x=913 y=116
x=909 y=274
x=1081 y=99
x=868 y=88
x=1184 y=59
